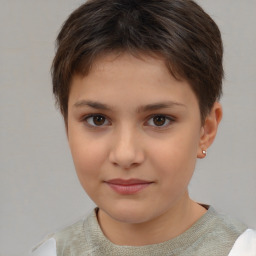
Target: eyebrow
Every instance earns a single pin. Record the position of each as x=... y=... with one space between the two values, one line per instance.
x=92 y=104
x=144 y=108
x=160 y=105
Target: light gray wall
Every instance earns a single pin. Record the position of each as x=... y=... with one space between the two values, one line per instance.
x=39 y=191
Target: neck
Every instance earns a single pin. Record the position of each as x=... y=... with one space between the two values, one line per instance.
x=170 y=224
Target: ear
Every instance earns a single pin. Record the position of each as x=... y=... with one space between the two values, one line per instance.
x=209 y=129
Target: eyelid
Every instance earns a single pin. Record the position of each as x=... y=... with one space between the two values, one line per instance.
x=171 y=119
x=86 y=117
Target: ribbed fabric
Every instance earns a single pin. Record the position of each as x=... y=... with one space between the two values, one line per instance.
x=212 y=235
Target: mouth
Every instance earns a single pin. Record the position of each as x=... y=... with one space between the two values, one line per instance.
x=128 y=187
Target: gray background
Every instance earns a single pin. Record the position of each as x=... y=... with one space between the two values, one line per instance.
x=39 y=191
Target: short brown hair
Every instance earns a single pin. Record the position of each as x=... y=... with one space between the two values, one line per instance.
x=177 y=30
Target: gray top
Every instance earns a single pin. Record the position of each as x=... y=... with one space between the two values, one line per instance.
x=212 y=235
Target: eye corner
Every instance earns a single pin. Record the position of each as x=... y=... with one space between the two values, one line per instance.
x=96 y=120
x=164 y=121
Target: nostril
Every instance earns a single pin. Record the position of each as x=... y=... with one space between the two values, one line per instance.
x=126 y=159
x=133 y=165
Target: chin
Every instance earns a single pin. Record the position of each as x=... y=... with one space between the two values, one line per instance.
x=129 y=214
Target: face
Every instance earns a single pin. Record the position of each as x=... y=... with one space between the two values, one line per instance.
x=134 y=134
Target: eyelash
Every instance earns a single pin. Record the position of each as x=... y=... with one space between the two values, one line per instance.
x=85 y=119
x=167 y=118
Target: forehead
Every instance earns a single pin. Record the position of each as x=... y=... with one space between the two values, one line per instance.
x=115 y=62
x=143 y=77
x=102 y=61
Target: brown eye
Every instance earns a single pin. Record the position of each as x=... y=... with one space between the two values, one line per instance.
x=97 y=120
x=159 y=120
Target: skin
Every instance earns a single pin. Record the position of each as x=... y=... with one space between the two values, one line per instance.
x=129 y=143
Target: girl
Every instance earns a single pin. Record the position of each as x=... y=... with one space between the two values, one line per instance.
x=138 y=84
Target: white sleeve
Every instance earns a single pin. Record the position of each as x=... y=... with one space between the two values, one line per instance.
x=48 y=248
x=245 y=244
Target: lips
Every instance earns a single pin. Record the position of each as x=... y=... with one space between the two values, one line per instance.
x=127 y=187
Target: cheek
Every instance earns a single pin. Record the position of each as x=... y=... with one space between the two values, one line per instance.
x=88 y=156
x=175 y=158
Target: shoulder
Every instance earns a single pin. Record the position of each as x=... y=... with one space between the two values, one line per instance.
x=67 y=241
x=245 y=244
x=218 y=233
x=46 y=248
x=226 y=225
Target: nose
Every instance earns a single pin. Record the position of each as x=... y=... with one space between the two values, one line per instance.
x=127 y=150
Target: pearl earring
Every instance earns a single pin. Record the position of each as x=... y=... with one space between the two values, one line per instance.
x=204 y=152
